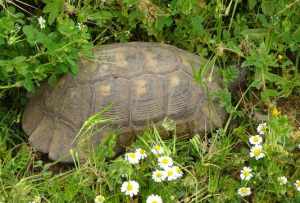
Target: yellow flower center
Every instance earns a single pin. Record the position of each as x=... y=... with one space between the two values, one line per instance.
x=157 y=147
x=244 y=190
x=257 y=151
x=256 y=139
x=132 y=155
x=154 y=201
x=129 y=187
x=298 y=184
x=246 y=173
x=165 y=161
x=170 y=173
x=158 y=174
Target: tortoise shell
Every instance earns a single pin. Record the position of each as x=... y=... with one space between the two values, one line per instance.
x=142 y=83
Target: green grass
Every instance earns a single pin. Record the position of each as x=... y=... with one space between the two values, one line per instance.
x=261 y=37
x=211 y=169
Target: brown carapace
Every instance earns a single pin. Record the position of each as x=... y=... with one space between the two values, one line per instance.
x=142 y=83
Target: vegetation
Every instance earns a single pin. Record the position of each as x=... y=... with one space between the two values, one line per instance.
x=43 y=40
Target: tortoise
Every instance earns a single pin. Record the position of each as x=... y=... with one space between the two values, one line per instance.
x=142 y=82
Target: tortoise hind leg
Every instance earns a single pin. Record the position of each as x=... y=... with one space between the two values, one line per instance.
x=63 y=141
x=41 y=137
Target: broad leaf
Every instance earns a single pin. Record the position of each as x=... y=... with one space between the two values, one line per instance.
x=53 y=8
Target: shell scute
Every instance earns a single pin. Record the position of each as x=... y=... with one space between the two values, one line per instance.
x=116 y=62
x=76 y=104
x=160 y=60
x=112 y=95
x=147 y=99
x=182 y=95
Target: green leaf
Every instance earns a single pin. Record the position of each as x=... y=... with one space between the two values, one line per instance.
x=101 y=17
x=252 y=4
x=19 y=59
x=20 y=65
x=268 y=93
x=163 y=21
x=54 y=8
x=28 y=84
x=6 y=25
x=87 y=50
x=185 y=6
x=224 y=96
x=62 y=68
x=34 y=36
x=6 y=66
x=73 y=66
x=66 y=26
x=268 y=7
x=230 y=74
x=256 y=84
x=196 y=25
x=255 y=34
x=296 y=35
x=2 y=41
x=129 y=2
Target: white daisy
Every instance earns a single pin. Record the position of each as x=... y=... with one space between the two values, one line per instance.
x=157 y=149
x=159 y=175
x=132 y=157
x=299 y=146
x=141 y=152
x=282 y=180
x=262 y=128
x=165 y=161
x=297 y=185
x=244 y=191
x=130 y=188
x=255 y=140
x=246 y=173
x=42 y=22
x=173 y=173
x=154 y=199
x=257 y=152
x=99 y=199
